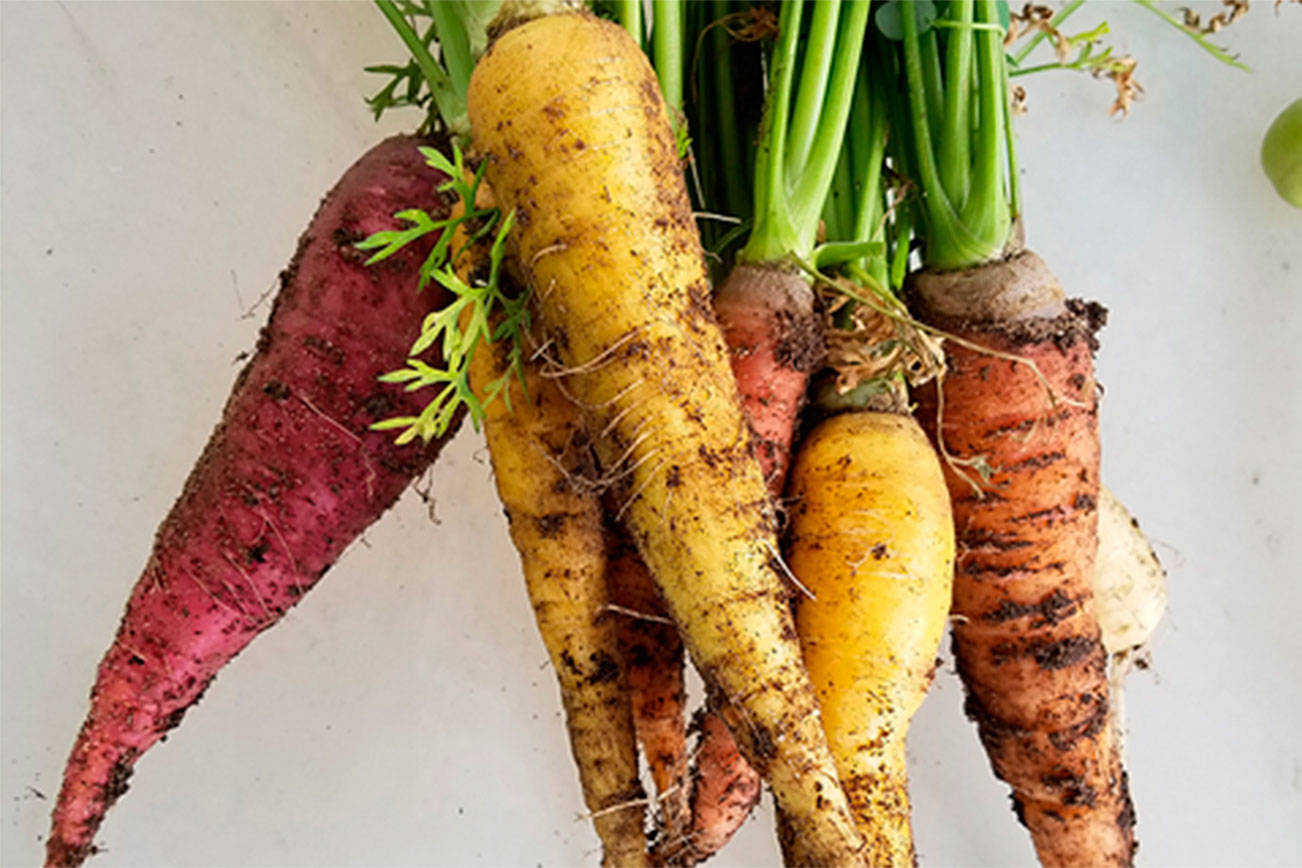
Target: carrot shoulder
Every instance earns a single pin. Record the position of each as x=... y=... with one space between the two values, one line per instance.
x=1026 y=637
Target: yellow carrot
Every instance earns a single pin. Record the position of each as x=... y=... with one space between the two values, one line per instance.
x=873 y=539
x=537 y=450
x=569 y=115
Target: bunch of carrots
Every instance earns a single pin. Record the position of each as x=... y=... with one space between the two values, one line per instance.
x=693 y=275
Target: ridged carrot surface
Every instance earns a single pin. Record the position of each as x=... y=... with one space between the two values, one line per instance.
x=1025 y=635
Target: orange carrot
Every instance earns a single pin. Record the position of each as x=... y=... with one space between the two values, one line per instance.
x=652 y=653
x=1026 y=637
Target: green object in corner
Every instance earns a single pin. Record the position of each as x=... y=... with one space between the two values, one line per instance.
x=1281 y=154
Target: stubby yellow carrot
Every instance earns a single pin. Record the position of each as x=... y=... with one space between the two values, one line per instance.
x=873 y=539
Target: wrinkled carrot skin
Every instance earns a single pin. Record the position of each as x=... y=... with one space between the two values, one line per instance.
x=653 y=661
x=291 y=475
x=1025 y=634
x=582 y=150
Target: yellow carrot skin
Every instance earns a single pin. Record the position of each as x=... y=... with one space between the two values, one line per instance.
x=569 y=115
x=872 y=537
x=557 y=528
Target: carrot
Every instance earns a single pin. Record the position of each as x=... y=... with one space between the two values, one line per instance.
x=766 y=306
x=873 y=538
x=291 y=475
x=761 y=334
x=725 y=789
x=1016 y=418
x=581 y=149
x=538 y=453
x=1026 y=637
x=653 y=660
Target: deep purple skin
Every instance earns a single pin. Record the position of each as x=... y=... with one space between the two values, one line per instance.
x=291 y=475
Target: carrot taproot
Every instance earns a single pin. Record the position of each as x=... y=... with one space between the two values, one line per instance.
x=582 y=151
x=539 y=452
x=543 y=469
x=766 y=305
x=652 y=652
x=873 y=538
x=291 y=475
x=1026 y=636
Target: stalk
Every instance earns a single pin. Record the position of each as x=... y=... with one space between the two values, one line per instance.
x=449 y=100
x=961 y=169
x=794 y=171
x=629 y=15
x=667 y=45
x=813 y=84
x=954 y=146
x=732 y=157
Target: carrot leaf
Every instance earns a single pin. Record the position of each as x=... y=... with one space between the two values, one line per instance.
x=459 y=328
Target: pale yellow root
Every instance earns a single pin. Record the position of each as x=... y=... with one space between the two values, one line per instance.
x=569 y=115
x=1129 y=582
x=1129 y=596
x=537 y=451
x=872 y=536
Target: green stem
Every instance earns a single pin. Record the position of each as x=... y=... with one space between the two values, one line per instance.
x=940 y=215
x=987 y=209
x=706 y=150
x=1010 y=148
x=451 y=104
x=667 y=44
x=814 y=68
x=772 y=237
x=732 y=159
x=955 y=157
x=454 y=44
x=902 y=235
x=811 y=188
x=838 y=215
x=935 y=82
x=629 y=15
x=871 y=119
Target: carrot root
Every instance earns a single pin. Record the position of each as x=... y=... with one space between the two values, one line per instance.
x=1026 y=637
x=289 y=478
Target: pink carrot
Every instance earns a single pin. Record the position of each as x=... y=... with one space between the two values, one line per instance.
x=291 y=475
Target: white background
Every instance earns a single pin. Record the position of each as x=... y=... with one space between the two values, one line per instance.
x=159 y=162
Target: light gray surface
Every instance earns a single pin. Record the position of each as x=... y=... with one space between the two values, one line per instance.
x=159 y=162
